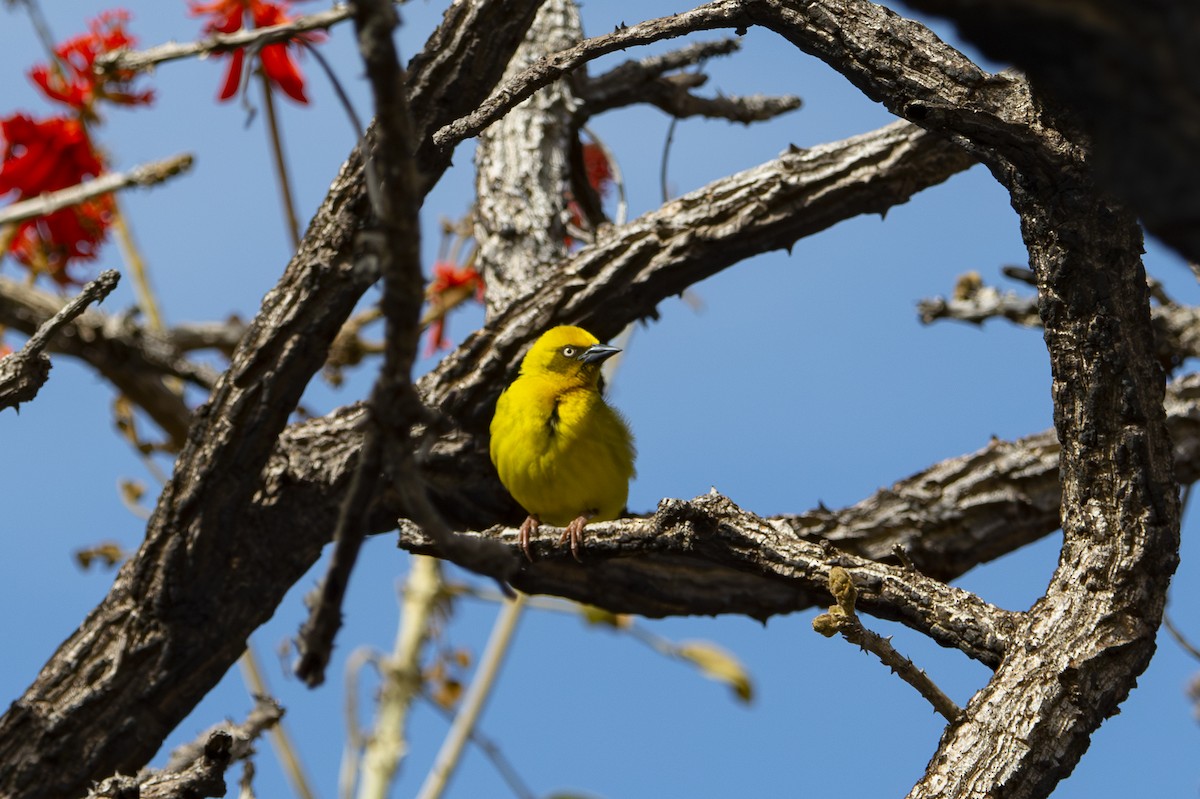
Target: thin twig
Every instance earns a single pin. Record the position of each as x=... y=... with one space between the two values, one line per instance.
x=477 y=694
x=394 y=247
x=275 y=137
x=662 y=168
x=841 y=618
x=549 y=69
x=281 y=741
x=40 y=26
x=1179 y=639
x=140 y=60
x=492 y=751
x=144 y=175
x=24 y=372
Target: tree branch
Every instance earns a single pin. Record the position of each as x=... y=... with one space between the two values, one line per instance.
x=1128 y=72
x=133 y=358
x=645 y=81
x=23 y=373
x=187 y=597
x=145 y=175
x=1176 y=327
x=708 y=556
x=197 y=769
x=841 y=618
x=120 y=61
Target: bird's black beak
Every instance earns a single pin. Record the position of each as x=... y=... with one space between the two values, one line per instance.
x=598 y=353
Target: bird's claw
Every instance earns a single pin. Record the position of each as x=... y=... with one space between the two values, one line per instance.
x=574 y=532
x=528 y=528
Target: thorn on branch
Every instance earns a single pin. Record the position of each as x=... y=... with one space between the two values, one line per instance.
x=841 y=618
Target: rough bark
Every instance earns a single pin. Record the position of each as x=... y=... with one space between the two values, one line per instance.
x=214 y=565
x=152 y=643
x=1130 y=72
x=522 y=171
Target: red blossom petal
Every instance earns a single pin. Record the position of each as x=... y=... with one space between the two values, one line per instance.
x=227 y=15
x=283 y=72
x=233 y=75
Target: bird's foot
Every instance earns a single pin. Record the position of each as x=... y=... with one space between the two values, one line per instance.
x=528 y=527
x=574 y=532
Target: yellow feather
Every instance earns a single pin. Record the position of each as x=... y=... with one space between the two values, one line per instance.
x=560 y=450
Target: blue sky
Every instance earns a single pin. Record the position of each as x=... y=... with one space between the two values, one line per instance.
x=788 y=380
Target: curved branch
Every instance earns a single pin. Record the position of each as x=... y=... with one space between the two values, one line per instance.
x=1128 y=72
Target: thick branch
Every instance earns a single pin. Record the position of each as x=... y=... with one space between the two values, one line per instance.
x=185 y=603
x=723 y=559
x=1128 y=71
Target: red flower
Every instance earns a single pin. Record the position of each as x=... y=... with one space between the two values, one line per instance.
x=228 y=16
x=44 y=156
x=599 y=171
x=70 y=79
x=451 y=286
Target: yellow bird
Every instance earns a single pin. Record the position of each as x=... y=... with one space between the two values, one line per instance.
x=560 y=450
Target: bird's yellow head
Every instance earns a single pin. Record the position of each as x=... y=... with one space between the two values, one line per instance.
x=570 y=352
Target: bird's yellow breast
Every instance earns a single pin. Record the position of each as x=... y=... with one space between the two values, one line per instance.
x=560 y=450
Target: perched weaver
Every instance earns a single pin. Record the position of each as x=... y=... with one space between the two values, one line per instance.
x=560 y=450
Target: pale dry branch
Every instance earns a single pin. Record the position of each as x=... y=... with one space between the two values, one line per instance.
x=145 y=175
x=142 y=60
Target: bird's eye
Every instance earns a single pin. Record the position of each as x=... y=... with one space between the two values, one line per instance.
x=569 y=352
